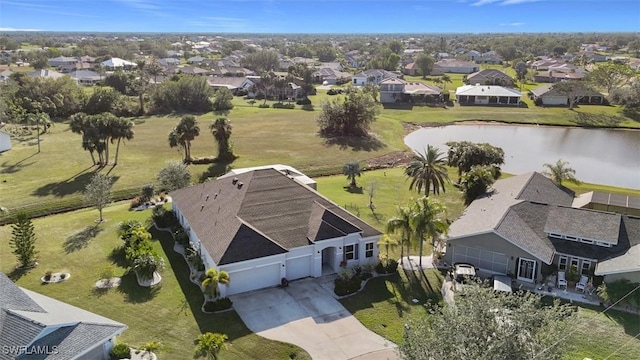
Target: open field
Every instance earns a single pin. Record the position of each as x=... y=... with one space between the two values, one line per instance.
x=170 y=313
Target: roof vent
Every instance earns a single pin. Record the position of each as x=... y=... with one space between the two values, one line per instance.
x=202 y=207
x=240 y=185
x=207 y=198
x=234 y=181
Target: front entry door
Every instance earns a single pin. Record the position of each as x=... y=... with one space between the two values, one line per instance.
x=526 y=270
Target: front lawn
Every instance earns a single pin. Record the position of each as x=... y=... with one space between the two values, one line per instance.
x=169 y=313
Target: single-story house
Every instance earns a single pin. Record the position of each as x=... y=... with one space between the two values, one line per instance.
x=490 y=77
x=473 y=55
x=5 y=74
x=87 y=59
x=169 y=61
x=263 y=225
x=393 y=90
x=117 y=63
x=5 y=141
x=487 y=95
x=193 y=70
x=196 y=59
x=411 y=69
x=547 y=95
x=457 y=66
x=331 y=76
x=232 y=83
x=46 y=73
x=34 y=326
x=526 y=223
x=372 y=76
x=544 y=63
x=290 y=171
x=86 y=77
x=76 y=66
x=62 y=60
x=556 y=76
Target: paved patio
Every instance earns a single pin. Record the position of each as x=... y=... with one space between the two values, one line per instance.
x=307 y=315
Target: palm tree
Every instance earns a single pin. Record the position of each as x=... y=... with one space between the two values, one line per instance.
x=401 y=224
x=388 y=242
x=182 y=135
x=428 y=171
x=560 y=171
x=210 y=344
x=352 y=170
x=123 y=130
x=221 y=130
x=426 y=221
x=446 y=79
x=211 y=280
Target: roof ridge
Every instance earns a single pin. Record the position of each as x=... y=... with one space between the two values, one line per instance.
x=523 y=188
x=242 y=222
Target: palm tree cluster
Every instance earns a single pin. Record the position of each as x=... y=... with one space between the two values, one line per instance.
x=211 y=280
x=423 y=219
x=100 y=130
x=182 y=135
x=221 y=130
x=560 y=171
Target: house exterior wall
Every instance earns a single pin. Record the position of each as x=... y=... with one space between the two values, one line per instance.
x=5 y=141
x=495 y=243
x=93 y=354
x=359 y=81
x=461 y=69
x=554 y=100
x=634 y=277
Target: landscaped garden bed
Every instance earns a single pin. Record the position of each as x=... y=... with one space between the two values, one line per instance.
x=55 y=277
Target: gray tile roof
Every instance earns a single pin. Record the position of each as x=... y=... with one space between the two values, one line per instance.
x=71 y=341
x=273 y=212
x=627 y=258
x=25 y=314
x=542 y=190
x=13 y=298
x=584 y=223
x=522 y=226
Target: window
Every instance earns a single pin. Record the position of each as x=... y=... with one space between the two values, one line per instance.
x=573 y=238
x=574 y=262
x=351 y=252
x=562 y=263
x=368 y=250
x=586 y=241
x=554 y=235
x=586 y=267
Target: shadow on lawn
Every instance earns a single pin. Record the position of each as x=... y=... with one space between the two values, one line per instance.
x=74 y=184
x=214 y=170
x=81 y=239
x=14 y=168
x=356 y=143
x=630 y=322
x=135 y=293
x=227 y=322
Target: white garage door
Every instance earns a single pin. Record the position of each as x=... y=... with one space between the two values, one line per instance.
x=255 y=278
x=483 y=259
x=299 y=268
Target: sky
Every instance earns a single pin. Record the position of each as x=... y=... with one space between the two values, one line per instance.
x=321 y=16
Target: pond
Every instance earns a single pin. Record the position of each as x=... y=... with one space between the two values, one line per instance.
x=600 y=156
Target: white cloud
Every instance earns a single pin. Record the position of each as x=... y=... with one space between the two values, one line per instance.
x=146 y=6
x=484 y=2
x=513 y=24
x=514 y=2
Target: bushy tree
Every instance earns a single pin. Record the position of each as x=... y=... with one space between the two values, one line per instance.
x=174 y=176
x=487 y=325
x=98 y=192
x=351 y=116
x=100 y=130
x=611 y=76
x=521 y=70
x=629 y=98
x=262 y=61
x=23 y=241
x=102 y=100
x=223 y=100
x=475 y=182
x=465 y=154
x=425 y=62
x=184 y=93
x=352 y=170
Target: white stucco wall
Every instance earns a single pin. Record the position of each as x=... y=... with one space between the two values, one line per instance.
x=5 y=141
x=554 y=100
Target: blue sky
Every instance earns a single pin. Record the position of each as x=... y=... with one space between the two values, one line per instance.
x=321 y=16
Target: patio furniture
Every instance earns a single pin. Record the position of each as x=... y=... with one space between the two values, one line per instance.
x=582 y=284
x=562 y=281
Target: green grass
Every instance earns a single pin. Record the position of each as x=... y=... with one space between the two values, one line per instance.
x=169 y=314
x=386 y=303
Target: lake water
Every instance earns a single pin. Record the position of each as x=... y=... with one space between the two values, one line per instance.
x=599 y=156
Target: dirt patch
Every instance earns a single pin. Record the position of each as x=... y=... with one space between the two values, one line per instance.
x=394 y=159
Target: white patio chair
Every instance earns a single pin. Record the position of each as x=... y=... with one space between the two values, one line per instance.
x=562 y=281
x=582 y=284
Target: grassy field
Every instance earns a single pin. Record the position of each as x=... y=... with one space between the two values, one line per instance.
x=170 y=313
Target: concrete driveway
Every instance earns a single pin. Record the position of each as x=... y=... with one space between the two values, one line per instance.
x=306 y=315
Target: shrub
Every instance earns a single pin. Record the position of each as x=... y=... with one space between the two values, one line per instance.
x=614 y=291
x=283 y=106
x=146 y=193
x=391 y=266
x=135 y=202
x=305 y=101
x=181 y=237
x=164 y=218
x=120 y=351
x=347 y=286
x=333 y=92
x=264 y=106
x=218 y=305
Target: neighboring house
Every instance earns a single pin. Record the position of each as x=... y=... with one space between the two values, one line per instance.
x=195 y=60
x=553 y=77
x=617 y=203
x=193 y=70
x=490 y=77
x=31 y=323
x=443 y=55
x=75 y=66
x=5 y=141
x=86 y=77
x=411 y=69
x=457 y=66
x=5 y=74
x=372 y=76
x=46 y=73
x=487 y=95
x=393 y=90
x=526 y=222
x=547 y=95
x=169 y=61
x=117 y=63
x=490 y=57
x=62 y=60
x=232 y=83
x=331 y=65
x=473 y=55
x=262 y=226
x=87 y=59
x=544 y=63
x=331 y=76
